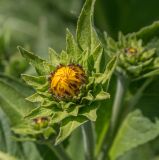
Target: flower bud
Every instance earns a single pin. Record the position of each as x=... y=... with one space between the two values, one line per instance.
x=40 y=122
x=66 y=81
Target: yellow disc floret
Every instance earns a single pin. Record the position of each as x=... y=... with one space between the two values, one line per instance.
x=66 y=81
x=131 y=50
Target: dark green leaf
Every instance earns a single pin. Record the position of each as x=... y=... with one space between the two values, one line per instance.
x=13 y=103
x=86 y=35
x=149 y=32
x=135 y=130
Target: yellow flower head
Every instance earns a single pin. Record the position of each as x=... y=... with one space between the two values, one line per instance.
x=66 y=81
x=131 y=50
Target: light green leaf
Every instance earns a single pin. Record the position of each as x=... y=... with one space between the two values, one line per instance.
x=62 y=114
x=86 y=35
x=104 y=79
x=87 y=60
x=88 y=98
x=41 y=66
x=68 y=126
x=149 y=32
x=135 y=130
x=71 y=46
x=49 y=103
x=39 y=112
x=102 y=96
x=39 y=83
x=64 y=58
x=54 y=57
x=98 y=57
x=13 y=103
x=89 y=112
x=5 y=156
x=148 y=54
x=35 y=98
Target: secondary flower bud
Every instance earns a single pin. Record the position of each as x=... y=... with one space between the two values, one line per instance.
x=40 y=122
x=136 y=59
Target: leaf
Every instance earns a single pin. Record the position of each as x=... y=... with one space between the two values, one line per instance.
x=14 y=148
x=74 y=141
x=135 y=130
x=31 y=151
x=89 y=111
x=41 y=66
x=87 y=61
x=103 y=118
x=87 y=98
x=68 y=126
x=102 y=96
x=5 y=156
x=16 y=84
x=54 y=57
x=99 y=59
x=64 y=58
x=143 y=152
x=39 y=83
x=39 y=112
x=104 y=79
x=13 y=103
x=71 y=46
x=62 y=114
x=149 y=32
x=149 y=74
x=35 y=98
x=86 y=35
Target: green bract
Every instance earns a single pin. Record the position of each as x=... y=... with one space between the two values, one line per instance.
x=64 y=116
x=136 y=60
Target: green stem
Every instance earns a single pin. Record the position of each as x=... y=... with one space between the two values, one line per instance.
x=58 y=151
x=88 y=139
x=122 y=84
x=117 y=109
x=133 y=101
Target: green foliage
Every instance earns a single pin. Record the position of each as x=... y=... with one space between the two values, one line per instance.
x=56 y=122
x=135 y=60
x=135 y=130
x=15 y=110
x=84 y=106
x=5 y=156
x=13 y=149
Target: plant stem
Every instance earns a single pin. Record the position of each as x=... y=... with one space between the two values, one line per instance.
x=58 y=151
x=88 y=139
x=138 y=95
x=122 y=84
x=117 y=109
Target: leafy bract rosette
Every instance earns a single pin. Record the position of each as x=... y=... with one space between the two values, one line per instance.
x=69 y=86
x=136 y=59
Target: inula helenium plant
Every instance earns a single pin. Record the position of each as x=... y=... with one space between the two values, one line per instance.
x=70 y=85
x=97 y=99
x=136 y=60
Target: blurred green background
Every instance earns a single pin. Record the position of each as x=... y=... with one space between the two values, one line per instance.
x=40 y=24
